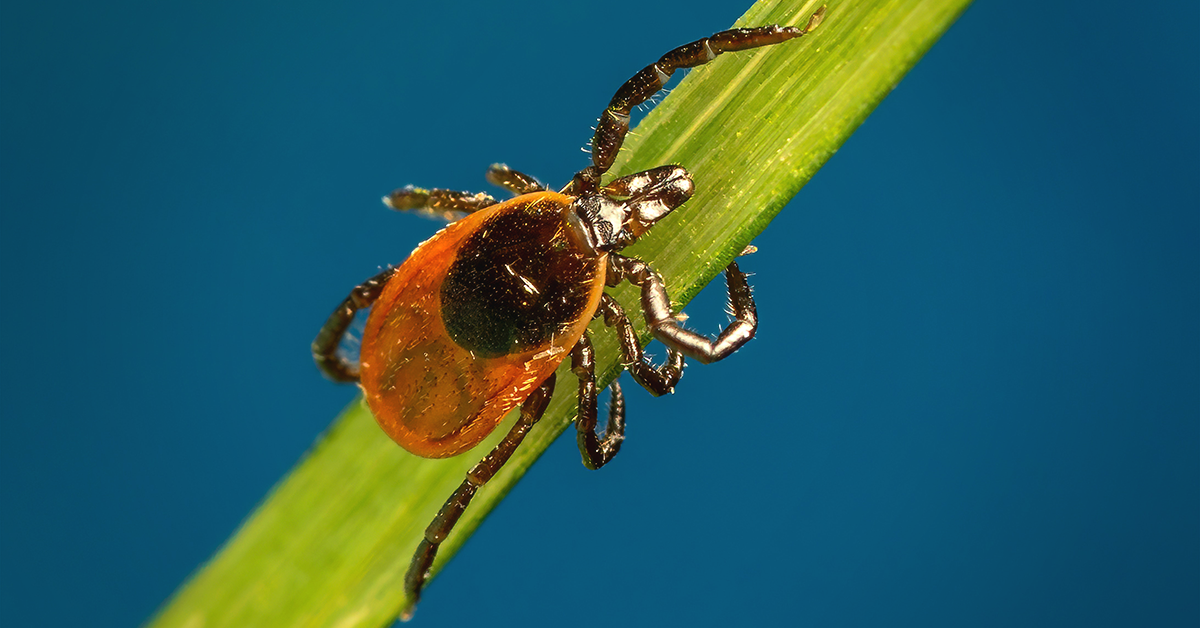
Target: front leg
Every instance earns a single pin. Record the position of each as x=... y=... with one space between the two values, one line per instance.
x=614 y=122
x=656 y=306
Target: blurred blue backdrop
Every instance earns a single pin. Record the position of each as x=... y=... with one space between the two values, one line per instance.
x=974 y=400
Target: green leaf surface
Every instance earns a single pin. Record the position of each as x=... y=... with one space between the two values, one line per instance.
x=331 y=543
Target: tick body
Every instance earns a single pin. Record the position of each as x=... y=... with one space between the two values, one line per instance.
x=500 y=298
x=476 y=320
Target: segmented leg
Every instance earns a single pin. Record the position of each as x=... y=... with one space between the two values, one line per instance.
x=516 y=182
x=614 y=122
x=658 y=380
x=443 y=523
x=596 y=450
x=656 y=306
x=445 y=204
x=325 y=346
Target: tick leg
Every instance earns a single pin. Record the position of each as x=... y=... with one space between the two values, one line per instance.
x=658 y=380
x=596 y=451
x=443 y=523
x=656 y=306
x=516 y=182
x=325 y=346
x=614 y=122
x=445 y=204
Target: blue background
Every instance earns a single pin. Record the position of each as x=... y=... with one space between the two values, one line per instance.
x=974 y=400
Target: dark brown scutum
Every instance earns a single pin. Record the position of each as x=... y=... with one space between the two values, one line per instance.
x=516 y=282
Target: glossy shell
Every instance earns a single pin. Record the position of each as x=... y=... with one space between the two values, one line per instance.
x=476 y=318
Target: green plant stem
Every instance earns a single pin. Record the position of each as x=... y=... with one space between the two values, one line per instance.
x=331 y=543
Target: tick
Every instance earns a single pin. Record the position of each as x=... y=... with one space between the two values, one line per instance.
x=476 y=320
